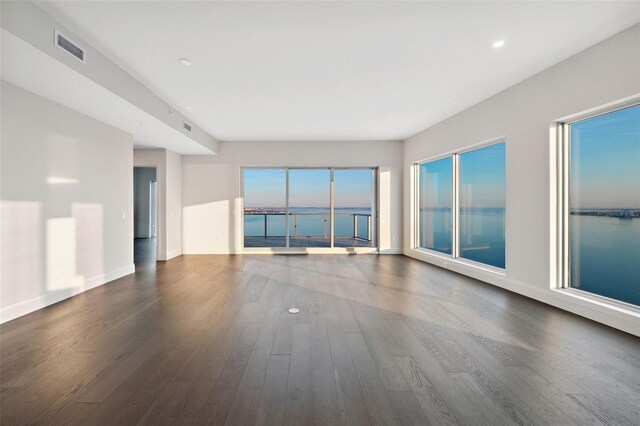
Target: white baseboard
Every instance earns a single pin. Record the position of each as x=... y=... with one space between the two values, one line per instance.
x=391 y=251
x=22 y=308
x=362 y=250
x=625 y=320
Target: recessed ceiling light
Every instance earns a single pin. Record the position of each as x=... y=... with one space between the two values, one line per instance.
x=185 y=62
x=498 y=44
x=55 y=180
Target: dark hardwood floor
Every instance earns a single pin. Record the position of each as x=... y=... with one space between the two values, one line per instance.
x=379 y=340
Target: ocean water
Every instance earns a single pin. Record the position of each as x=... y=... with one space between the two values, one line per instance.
x=482 y=236
x=605 y=256
x=481 y=233
x=309 y=226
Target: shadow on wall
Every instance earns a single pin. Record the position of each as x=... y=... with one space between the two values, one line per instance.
x=212 y=227
x=50 y=259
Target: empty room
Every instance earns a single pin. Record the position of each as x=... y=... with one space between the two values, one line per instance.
x=320 y=212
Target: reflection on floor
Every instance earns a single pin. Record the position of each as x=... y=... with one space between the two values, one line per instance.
x=305 y=242
x=144 y=251
x=379 y=339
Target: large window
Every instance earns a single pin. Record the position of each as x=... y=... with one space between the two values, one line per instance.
x=436 y=204
x=604 y=204
x=461 y=205
x=482 y=203
x=310 y=207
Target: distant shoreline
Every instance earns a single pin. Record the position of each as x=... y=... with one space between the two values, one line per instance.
x=622 y=213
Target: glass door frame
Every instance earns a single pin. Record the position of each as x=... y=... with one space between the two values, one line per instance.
x=375 y=171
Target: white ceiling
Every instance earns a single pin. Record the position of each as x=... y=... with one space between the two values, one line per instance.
x=29 y=68
x=335 y=70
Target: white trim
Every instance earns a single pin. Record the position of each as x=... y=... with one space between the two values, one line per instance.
x=623 y=103
x=391 y=251
x=309 y=250
x=464 y=150
x=572 y=301
x=607 y=302
x=447 y=258
x=455 y=206
x=22 y=308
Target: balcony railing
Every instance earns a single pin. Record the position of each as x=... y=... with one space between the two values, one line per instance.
x=299 y=228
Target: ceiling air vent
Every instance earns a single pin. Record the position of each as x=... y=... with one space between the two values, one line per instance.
x=70 y=47
x=187 y=126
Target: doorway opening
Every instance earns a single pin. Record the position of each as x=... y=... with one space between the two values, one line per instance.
x=145 y=215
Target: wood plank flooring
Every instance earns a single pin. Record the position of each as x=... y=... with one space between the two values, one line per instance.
x=379 y=340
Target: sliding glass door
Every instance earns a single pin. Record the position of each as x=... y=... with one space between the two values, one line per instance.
x=353 y=206
x=265 y=207
x=309 y=207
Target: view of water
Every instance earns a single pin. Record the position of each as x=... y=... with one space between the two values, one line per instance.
x=481 y=233
x=435 y=229
x=605 y=256
x=482 y=236
x=308 y=226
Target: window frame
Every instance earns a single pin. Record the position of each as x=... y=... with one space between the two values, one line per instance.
x=454 y=203
x=455 y=230
x=561 y=137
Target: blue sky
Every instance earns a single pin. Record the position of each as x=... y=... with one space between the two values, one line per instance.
x=307 y=188
x=482 y=177
x=435 y=183
x=265 y=188
x=352 y=188
x=605 y=161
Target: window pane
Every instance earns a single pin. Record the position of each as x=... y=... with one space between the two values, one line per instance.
x=436 y=203
x=309 y=208
x=604 y=201
x=482 y=205
x=353 y=200
x=265 y=192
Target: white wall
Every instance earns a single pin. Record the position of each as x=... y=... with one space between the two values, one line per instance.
x=523 y=114
x=142 y=178
x=168 y=166
x=211 y=187
x=174 y=204
x=66 y=203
